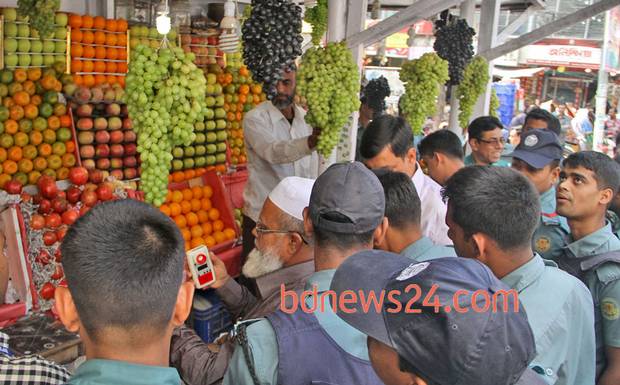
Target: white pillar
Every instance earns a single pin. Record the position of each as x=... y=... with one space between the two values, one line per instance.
x=601 y=91
x=487 y=38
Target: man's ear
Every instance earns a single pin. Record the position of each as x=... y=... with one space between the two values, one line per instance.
x=184 y=303
x=67 y=312
x=412 y=155
x=555 y=175
x=308 y=229
x=481 y=243
x=380 y=232
x=473 y=143
x=295 y=243
x=606 y=196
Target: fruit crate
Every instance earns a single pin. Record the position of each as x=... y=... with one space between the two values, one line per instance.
x=210 y=317
x=51 y=49
x=205 y=46
x=219 y=200
x=235 y=183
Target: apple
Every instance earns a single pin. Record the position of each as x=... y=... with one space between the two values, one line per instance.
x=85 y=124
x=130 y=161
x=109 y=95
x=48 y=60
x=102 y=151
x=211 y=137
x=78 y=176
x=96 y=95
x=74 y=193
x=49 y=238
x=83 y=95
x=116 y=163
x=177 y=164
x=10 y=14
x=102 y=137
x=10 y=45
x=116 y=137
x=117 y=150
x=87 y=151
x=105 y=192
x=86 y=137
x=11 y=60
x=85 y=110
x=23 y=30
x=221 y=147
x=200 y=150
x=220 y=158
x=127 y=124
x=220 y=124
x=24 y=60
x=89 y=164
x=53 y=220
x=59 y=205
x=49 y=47
x=200 y=138
x=60 y=33
x=221 y=136
x=190 y=151
x=60 y=19
x=115 y=123
x=113 y=109
x=89 y=198
x=47 y=187
x=103 y=163
x=101 y=123
x=95 y=176
x=211 y=148
x=130 y=149
x=201 y=161
x=209 y=114
x=117 y=174
x=188 y=163
x=60 y=47
x=130 y=173
x=36 y=60
x=129 y=136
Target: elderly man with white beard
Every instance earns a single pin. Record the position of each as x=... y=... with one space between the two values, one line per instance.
x=282 y=256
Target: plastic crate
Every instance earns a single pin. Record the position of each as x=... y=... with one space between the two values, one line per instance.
x=210 y=316
x=235 y=183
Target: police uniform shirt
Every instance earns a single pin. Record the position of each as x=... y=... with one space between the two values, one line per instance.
x=550 y=237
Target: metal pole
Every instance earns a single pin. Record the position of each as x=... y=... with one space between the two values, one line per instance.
x=601 y=91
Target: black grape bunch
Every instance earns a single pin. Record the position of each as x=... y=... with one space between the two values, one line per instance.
x=271 y=41
x=374 y=94
x=454 y=43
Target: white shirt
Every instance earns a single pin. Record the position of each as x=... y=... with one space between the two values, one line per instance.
x=433 y=208
x=276 y=149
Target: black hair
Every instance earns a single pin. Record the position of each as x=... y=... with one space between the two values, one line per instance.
x=553 y=123
x=482 y=124
x=402 y=203
x=340 y=241
x=483 y=197
x=443 y=141
x=606 y=170
x=554 y=163
x=123 y=262
x=384 y=131
x=374 y=94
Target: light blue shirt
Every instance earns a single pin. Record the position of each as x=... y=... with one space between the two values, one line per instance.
x=469 y=161
x=263 y=344
x=559 y=310
x=552 y=232
x=104 y=372
x=424 y=249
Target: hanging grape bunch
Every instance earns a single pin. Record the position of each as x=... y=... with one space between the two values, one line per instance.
x=454 y=43
x=40 y=13
x=271 y=41
x=494 y=104
x=165 y=98
x=374 y=94
x=474 y=83
x=328 y=79
x=317 y=17
x=423 y=78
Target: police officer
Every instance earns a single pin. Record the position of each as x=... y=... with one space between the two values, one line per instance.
x=588 y=183
x=538 y=157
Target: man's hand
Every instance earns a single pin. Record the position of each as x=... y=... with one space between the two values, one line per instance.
x=313 y=139
x=221 y=274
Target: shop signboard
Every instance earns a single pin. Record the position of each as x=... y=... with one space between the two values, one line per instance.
x=561 y=55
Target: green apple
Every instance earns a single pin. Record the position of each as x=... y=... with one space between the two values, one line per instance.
x=60 y=47
x=209 y=114
x=177 y=164
x=145 y=41
x=211 y=137
x=10 y=45
x=188 y=163
x=220 y=124
x=200 y=126
x=210 y=101
x=48 y=46
x=218 y=89
x=201 y=161
x=48 y=60
x=60 y=33
x=210 y=89
x=220 y=113
x=211 y=149
x=134 y=42
x=221 y=147
x=36 y=60
x=210 y=159
x=36 y=46
x=178 y=152
x=190 y=151
x=10 y=29
x=221 y=136
x=220 y=158
x=210 y=125
x=153 y=34
x=200 y=150
x=23 y=45
x=200 y=138
x=155 y=43
x=11 y=60
x=61 y=19
x=23 y=30
x=134 y=31
x=24 y=60
x=10 y=14
x=219 y=101
x=211 y=78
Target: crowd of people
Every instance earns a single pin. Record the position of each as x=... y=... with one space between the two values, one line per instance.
x=423 y=224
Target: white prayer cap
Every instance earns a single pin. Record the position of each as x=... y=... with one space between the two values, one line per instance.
x=292 y=195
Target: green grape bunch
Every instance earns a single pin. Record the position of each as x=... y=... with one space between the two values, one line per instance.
x=422 y=78
x=165 y=98
x=328 y=79
x=494 y=104
x=474 y=83
x=40 y=13
x=317 y=17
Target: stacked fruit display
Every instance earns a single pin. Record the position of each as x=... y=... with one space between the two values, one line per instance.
x=241 y=95
x=98 y=50
x=200 y=223
x=141 y=34
x=23 y=47
x=49 y=214
x=204 y=46
x=35 y=133
x=209 y=147
x=104 y=131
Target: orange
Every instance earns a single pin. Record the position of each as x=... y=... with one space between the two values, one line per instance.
x=190 y=174
x=177 y=196
x=45 y=149
x=196 y=231
x=9 y=167
x=88 y=65
x=33 y=177
x=110 y=67
x=16 y=112
x=218 y=225
x=34 y=74
x=65 y=121
x=20 y=75
x=169 y=196
x=186 y=207
x=40 y=163
x=112 y=53
x=15 y=153
x=219 y=237
x=200 y=171
x=230 y=234
x=30 y=152
x=53 y=122
x=214 y=214
x=78 y=80
x=175 y=209
x=68 y=160
x=99 y=66
x=192 y=219
x=206 y=204
x=207 y=191
x=180 y=221
x=121 y=40
x=62 y=173
x=11 y=126
x=100 y=79
x=36 y=99
x=111 y=79
x=70 y=145
x=110 y=39
x=110 y=25
x=3 y=155
x=21 y=139
x=100 y=52
x=76 y=65
x=87 y=21
x=196 y=204
x=209 y=241
x=207 y=228
x=178 y=176
x=76 y=35
x=77 y=50
x=165 y=209
x=25 y=165
x=120 y=80
x=36 y=138
x=89 y=52
x=187 y=194
x=75 y=21
x=203 y=216
x=89 y=80
x=122 y=53
x=121 y=25
x=187 y=235
x=197 y=242
x=99 y=22
x=31 y=111
x=88 y=37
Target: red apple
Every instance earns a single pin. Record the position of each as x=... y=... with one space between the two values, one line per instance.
x=59 y=205
x=89 y=164
x=47 y=187
x=84 y=209
x=130 y=173
x=85 y=124
x=103 y=163
x=117 y=150
x=102 y=150
x=37 y=222
x=127 y=125
x=58 y=255
x=86 y=137
x=105 y=192
x=131 y=149
x=95 y=176
x=61 y=195
x=117 y=137
x=47 y=291
x=73 y=194
x=53 y=220
x=113 y=109
x=116 y=163
x=102 y=137
x=117 y=174
x=89 y=198
x=100 y=123
x=87 y=152
x=84 y=111
x=130 y=161
x=115 y=123
x=78 y=176
x=130 y=136
x=45 y=206
x=70 y=216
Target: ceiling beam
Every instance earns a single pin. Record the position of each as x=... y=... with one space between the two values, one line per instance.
x=549 y=29
x=420 y=10
x=516 y=23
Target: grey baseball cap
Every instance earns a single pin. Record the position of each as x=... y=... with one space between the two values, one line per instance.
x=446 y=337
x=351 y=190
